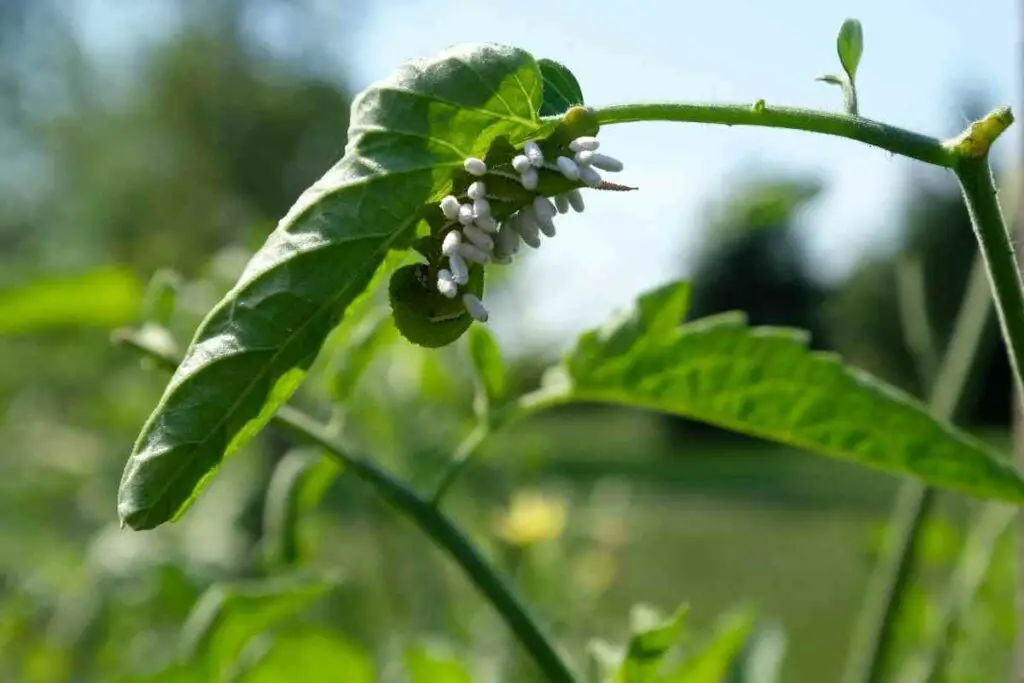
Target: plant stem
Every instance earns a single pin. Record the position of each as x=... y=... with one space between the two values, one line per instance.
x=953 y=390
x=423 y=513
x=979 y=192
x=524 y=406
x=896 y=140
x=443 y=532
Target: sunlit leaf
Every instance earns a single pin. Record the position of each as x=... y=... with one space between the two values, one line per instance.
x=427 y=665
x=850 y=46
x=310 y=656
x=408 y=138
x=229 y=615
x=104 y=298
x=764 y=381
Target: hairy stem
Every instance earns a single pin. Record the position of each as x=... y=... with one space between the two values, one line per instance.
x=896 y=140
x=423 y=513
x=979 y=192
x=953 y=389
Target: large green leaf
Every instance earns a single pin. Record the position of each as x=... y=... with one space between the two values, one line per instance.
x=763 y=381
x=408 y=139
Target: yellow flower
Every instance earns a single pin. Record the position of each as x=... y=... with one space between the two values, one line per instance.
x=532 y=518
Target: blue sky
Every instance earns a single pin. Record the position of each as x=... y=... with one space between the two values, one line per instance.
x=918 y=55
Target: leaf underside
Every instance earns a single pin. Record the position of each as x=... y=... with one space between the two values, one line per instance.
x=409 y=135
x=763 y=381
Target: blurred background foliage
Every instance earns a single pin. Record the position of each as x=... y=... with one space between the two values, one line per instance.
x=185 y=164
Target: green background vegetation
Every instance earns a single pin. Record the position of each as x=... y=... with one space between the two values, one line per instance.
x=188 y=167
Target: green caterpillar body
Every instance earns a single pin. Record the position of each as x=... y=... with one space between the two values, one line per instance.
x=422 y=314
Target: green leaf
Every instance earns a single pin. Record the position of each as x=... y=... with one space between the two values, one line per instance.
x=296 y=487
x=850 y=46
x=310 y=656
x=408 y=138
x=428 y=665
x=717 y=659
x=490 y=369
x=652 y=639
x=763 y=381
x=561 y=89
x=106 y=297
x=227 y=616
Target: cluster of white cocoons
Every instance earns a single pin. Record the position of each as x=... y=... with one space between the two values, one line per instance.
x=583 y=165
x=476 y=237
